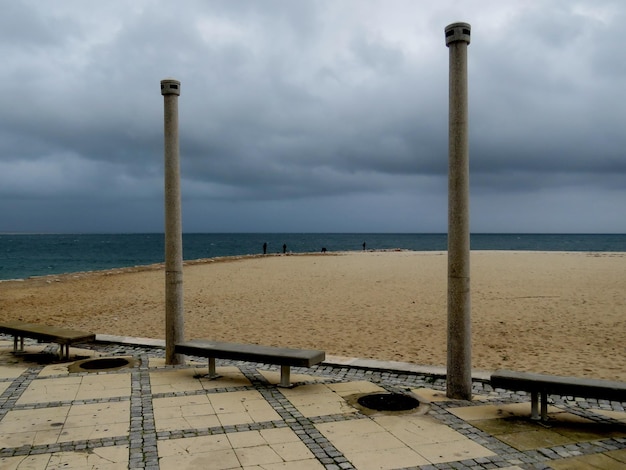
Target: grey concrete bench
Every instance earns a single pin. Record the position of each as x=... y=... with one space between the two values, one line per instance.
x=544 y=385
x=285 y=357
x=52 y=334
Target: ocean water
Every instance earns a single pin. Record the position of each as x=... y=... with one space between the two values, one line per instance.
x=27 y=255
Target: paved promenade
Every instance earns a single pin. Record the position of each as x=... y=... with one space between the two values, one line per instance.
x=148 y=415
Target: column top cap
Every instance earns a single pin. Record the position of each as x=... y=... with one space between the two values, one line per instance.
x=458 y=32
x=170 y=86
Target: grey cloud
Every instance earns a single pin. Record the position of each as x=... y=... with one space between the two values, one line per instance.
x=322 y=108
x=28 y=29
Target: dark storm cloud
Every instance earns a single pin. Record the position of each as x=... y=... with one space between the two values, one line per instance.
x=304 y=116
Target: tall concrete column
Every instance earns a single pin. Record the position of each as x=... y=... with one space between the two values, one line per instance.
x=459 y=361
x=174 y=313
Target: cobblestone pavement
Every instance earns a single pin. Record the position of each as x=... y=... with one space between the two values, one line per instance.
x=148 y=415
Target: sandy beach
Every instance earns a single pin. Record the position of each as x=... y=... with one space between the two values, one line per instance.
x=557 y=313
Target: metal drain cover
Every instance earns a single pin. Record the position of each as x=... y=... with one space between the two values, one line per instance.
x=104 y=363
x=388 y=402
x=101 y=364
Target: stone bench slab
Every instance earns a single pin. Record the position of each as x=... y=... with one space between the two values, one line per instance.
x=53 y=334
x=544 y=385
x=285 y=357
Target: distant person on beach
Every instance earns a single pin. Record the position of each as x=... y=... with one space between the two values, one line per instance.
x=265 y=248
x=363 y=246
x=284 y=248
x=323 y=249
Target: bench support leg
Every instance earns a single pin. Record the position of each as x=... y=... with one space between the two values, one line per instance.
x=544 y=406
x=285 y=377
x=16 y=340
x=212 y=372
x=534 y=405
x=64 y=352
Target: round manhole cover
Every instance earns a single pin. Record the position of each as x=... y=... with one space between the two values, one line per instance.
x=101 y=364
x=388 y=402
x=104 y=363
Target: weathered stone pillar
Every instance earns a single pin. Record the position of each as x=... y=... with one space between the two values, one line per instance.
x=174 y=313
x=459 y=361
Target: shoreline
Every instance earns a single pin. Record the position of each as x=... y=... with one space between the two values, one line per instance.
x=225 y=259
x=547 y=312
x=189 y=262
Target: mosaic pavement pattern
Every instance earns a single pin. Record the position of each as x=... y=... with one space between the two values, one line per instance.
x=149 y=415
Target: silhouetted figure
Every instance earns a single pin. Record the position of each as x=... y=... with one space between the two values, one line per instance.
x=363 y=246
x=323 y=249
x=265 y=248
x=284 y=248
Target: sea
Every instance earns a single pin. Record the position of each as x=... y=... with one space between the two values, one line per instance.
x=29 y=255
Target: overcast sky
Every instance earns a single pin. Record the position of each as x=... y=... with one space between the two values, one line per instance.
x=310 y=116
